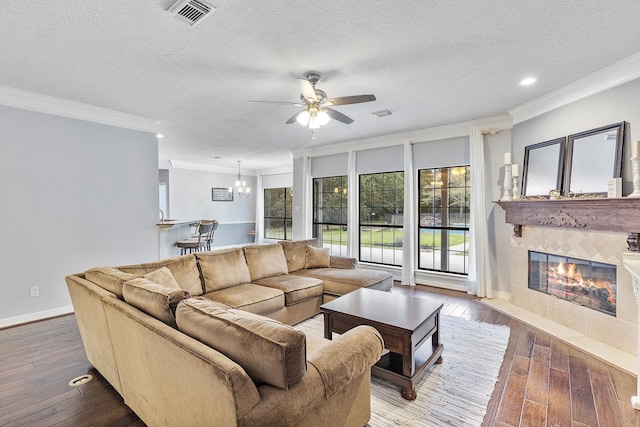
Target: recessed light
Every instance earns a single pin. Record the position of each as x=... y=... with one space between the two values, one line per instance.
x=216 y=157
x=528 y=81
x=159 y=135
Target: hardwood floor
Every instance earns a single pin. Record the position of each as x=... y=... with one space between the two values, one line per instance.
x=542 y=381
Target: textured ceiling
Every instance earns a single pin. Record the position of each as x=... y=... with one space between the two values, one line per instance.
x=432 y=63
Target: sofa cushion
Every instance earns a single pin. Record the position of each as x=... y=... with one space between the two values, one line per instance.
x=249 y=297
x=317 y=257
x=184 y=270
x=163 y=277
x=265 y=261
x=295 y=252
x=269 y=351
x=109 y=278
x=154 y=299
x=295 y=288
x=338 y=281
x=223 y=268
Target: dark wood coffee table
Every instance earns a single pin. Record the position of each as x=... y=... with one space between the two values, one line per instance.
x=406 y=323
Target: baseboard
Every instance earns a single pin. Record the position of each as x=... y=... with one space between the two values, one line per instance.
x=32 y=317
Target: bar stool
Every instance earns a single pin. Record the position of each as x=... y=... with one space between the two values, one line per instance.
x=199 y=242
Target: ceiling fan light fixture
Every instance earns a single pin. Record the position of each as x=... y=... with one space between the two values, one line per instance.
x=314 y=123
x=303 y=118
x=322 y=117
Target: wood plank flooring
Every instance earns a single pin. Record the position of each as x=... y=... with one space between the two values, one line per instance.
x=542 y=381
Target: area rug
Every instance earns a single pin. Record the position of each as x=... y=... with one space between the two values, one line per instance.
x=455 y=393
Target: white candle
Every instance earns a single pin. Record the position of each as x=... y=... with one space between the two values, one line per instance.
x=635 y=149
x=514 y=170
x=507 y=158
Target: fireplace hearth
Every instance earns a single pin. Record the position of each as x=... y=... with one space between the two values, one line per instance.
x=587 y=283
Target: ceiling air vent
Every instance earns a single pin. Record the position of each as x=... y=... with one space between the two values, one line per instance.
x=191 y=11
x=382 y=113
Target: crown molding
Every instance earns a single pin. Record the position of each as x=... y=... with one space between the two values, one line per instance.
x=179 y=164
x=32 y=101
x=454 y=130
x=609 y=77
x=276 y=171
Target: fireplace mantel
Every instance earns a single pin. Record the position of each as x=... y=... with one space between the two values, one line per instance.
x=605 y=214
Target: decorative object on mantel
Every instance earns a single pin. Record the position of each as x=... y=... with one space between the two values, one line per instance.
x=554 y=194
x=506 y=185
x=515 y=173
x=241 y=186
x=635 y=163
x=605 y=214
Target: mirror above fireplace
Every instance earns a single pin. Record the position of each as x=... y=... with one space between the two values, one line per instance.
x=543 y=163
x=593 y=158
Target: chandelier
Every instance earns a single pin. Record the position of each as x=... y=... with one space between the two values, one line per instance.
x=240 y=185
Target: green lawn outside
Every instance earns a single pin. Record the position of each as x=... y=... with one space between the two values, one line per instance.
x=377 y=236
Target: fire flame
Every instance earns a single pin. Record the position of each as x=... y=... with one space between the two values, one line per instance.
x=569 y=275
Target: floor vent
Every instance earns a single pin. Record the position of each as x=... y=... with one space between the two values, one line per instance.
x=191 y=11
x=82 y=379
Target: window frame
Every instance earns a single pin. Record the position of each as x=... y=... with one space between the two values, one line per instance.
x=446 y=228
x=343 y=209
x=288 y=213
x=362 y=224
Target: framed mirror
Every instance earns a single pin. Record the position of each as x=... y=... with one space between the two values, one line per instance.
x=543 y=164
x=593 y=158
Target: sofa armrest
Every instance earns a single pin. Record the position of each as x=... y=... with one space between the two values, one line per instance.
x=347 y=357
x=342 y=262
x=335 y=391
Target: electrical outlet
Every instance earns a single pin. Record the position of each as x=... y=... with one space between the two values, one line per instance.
x=34 y=291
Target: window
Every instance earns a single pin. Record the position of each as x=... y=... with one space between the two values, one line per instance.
x=330 y=210
x=381 y=217
x=444 y=219
x=277 y=213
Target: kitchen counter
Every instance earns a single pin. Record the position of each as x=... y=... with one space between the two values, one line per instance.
x=169 y=232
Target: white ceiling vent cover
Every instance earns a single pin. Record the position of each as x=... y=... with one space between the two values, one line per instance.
x=191 y=11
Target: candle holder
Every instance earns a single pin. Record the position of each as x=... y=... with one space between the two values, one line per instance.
x=635 y=162
x=514 y=189
x=506 y=185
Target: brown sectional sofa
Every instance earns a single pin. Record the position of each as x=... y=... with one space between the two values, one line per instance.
x=204 y=339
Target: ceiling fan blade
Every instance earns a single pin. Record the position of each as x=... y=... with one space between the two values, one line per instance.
x=307 y=90
x=297 y=104
x=293 y=118
x=336 y=115
x=354 y=99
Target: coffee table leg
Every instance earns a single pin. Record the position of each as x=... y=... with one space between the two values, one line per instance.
x=328 y=326
x=409 y=392
x=435 y=338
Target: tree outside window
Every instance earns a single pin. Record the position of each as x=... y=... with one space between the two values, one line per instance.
x=381 y=217
x=330 y=211
x=278 y=204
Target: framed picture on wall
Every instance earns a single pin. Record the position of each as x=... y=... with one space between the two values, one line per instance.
x=221 y=194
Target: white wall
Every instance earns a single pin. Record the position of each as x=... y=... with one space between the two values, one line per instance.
x=190 y=199
x=75 y=195
x=612 y=106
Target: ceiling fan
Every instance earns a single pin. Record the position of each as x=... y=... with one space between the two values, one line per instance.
x=317 y=111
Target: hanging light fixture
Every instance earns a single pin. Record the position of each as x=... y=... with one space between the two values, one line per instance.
x=313 y=117
x=240 y=185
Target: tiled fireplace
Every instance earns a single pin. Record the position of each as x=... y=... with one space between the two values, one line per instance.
x=587 y=288
x=587 y=283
